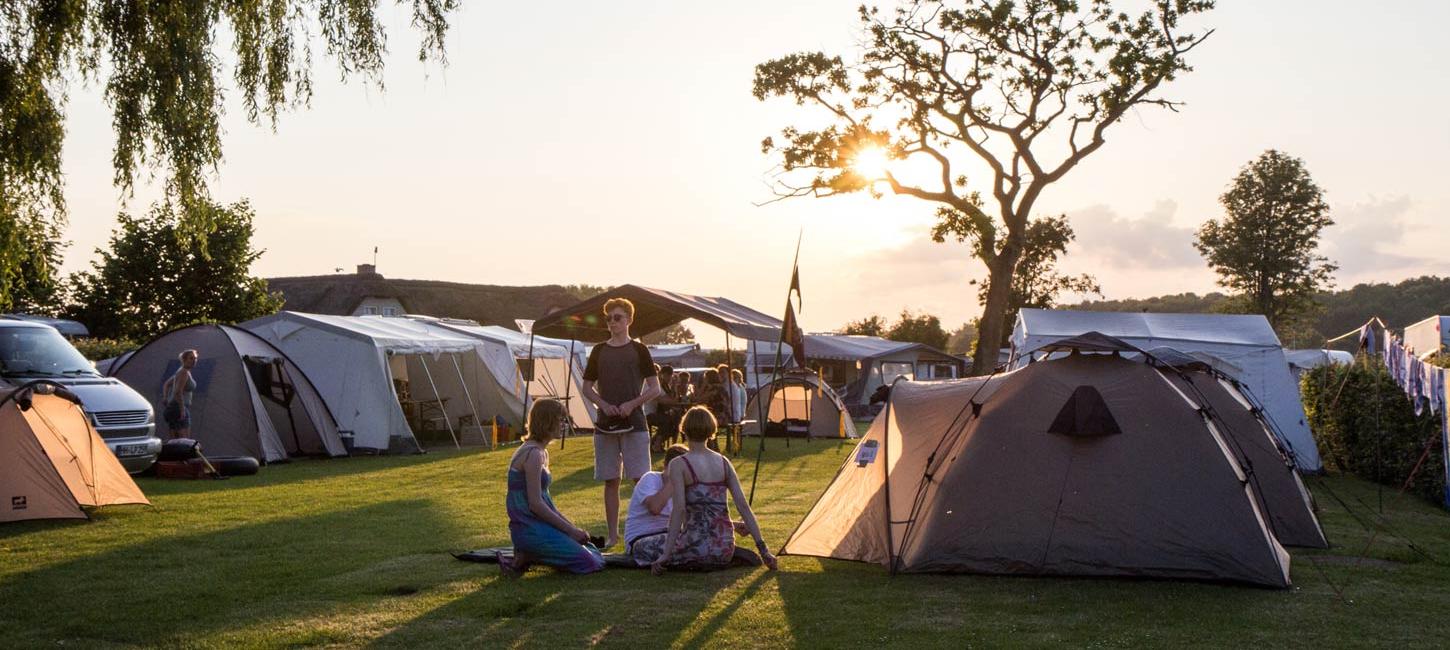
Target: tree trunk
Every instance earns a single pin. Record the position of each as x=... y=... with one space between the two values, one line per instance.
x=999 y=289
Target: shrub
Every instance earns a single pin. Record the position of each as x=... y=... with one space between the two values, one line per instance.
x=1364 y=424
x=97 y=349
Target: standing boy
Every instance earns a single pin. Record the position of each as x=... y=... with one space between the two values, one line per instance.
x=619 y=379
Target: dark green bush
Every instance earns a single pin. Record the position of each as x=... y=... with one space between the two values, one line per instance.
x=1365 y=425
x=97 y=349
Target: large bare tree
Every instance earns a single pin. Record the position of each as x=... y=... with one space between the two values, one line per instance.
x=1023 y=91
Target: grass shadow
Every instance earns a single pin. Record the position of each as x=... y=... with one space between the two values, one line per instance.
x=542 y=609
x=191 y=585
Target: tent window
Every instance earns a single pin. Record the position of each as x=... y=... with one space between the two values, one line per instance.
x=1085 y=414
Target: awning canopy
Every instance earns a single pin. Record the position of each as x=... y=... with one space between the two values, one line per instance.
x=851 y=347
x=654 y=310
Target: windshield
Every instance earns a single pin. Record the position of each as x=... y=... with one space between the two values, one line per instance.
x=39 y=352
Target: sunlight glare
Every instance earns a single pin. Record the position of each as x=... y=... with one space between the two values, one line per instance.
x=871 y=163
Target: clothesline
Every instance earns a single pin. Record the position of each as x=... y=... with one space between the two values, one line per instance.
x=1359 y=331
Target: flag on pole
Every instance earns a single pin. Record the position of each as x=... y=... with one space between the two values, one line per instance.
x=792 y=335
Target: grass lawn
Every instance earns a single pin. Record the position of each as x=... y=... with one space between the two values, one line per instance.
x=355 y=552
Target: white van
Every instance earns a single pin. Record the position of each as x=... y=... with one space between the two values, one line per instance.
x=30 y=350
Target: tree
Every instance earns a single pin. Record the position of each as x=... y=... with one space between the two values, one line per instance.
x=918 y=328
x=676 y=333
x=149 y=282
x=1266 y=247
x=963 y=339
x=30 y=256
x=873 y=325
x=1037 y=283
x=1028 y=88
x=584 y=291
x=160 y=65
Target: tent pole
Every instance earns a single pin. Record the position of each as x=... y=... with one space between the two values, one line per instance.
x=532 y=371
x=287 y=404
x=439 y=397
x=730 y=428
x=886 y=479
x=471 y=406
x=760 y=419
x=760 y=453
x=568 y=418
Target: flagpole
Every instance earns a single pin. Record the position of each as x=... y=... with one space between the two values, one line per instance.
x=775 y=370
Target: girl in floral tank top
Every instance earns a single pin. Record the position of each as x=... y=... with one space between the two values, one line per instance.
x=701 y=534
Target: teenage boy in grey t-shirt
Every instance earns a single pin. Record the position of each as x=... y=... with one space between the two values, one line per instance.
x=619 y=379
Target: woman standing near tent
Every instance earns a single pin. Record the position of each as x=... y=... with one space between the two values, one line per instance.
x=540 y=533
x=737 y=395
x=701 y=534
x=176 y=395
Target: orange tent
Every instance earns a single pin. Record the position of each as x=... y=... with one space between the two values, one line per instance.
x=52 y=462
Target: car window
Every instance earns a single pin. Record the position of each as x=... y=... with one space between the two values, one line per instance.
x=39 y=352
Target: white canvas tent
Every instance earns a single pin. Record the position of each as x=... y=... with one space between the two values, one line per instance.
x=858 y=365
x=1427 y=336
x=1241 y=346
x=553 y=374
x=354 y=360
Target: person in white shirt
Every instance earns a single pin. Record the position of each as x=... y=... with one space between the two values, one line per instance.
x=649 y=506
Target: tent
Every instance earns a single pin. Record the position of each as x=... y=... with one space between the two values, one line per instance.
x=1242 y=346
x=250 y=399
x=553 y=375
x=800 y=404
x=52 y=461
x=1088 y=464
x=858 y=365
x=1428 y=336
x=364 y=365
x=1302 y=361
x=678 y=355
x=654 y=310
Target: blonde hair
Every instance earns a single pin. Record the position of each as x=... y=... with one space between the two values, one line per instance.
x=182 y=356
x=545 y=416
x=737 y=375
x=698 y=424
x=619 y=303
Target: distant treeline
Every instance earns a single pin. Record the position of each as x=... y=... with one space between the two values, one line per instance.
x=1398 y=304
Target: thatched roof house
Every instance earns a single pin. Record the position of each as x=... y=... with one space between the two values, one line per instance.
x=367 y=292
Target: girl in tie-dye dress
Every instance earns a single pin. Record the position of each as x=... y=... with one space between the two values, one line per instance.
x=540 y=533
x=700 y=534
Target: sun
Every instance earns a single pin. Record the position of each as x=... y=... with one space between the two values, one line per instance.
x=871 y=163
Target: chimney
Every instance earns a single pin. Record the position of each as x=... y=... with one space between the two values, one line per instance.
x=367 y=269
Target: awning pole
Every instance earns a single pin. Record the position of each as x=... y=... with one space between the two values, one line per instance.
x=568 y=413
x=731 y=428
x=439 y=397
x=473 y=407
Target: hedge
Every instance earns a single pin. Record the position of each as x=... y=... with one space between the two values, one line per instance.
x=1365 y=425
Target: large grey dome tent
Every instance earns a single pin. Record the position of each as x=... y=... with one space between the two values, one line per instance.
x=250 y=400
x=1090 y=464
x=1242 y=346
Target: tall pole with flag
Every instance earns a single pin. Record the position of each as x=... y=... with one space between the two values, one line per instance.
x=792 y=335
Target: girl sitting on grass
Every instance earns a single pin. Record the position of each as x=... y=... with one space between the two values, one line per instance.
x=701 y=535
x=540 y=533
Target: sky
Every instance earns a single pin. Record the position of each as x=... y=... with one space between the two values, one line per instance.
x=611 y=143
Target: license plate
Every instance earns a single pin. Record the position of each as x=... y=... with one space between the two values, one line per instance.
x=130 y=450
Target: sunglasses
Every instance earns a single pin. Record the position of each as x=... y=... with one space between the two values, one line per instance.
x=618 y=318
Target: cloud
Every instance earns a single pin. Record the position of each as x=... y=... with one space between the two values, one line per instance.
x=1365 y=236
x=1150 y=242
